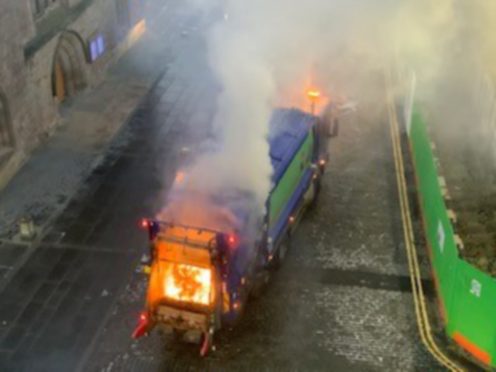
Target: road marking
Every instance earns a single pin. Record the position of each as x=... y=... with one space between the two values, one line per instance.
x=441 y=236
x=422 y=317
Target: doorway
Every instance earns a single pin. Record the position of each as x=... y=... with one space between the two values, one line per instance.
x=69 y=74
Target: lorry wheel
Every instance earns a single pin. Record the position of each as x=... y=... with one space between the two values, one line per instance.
x=260 y=285
x=235 y=320
x=316 y=191
x=282 y=252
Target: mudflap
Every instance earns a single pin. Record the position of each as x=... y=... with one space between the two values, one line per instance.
x=144 y=326
x=207 y=339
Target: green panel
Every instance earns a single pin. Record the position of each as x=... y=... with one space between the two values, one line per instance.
x=474 y=307
x=438 y=226
x=287 y=185
x=469 y=295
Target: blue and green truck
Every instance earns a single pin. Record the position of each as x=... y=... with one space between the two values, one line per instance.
x=201 y=277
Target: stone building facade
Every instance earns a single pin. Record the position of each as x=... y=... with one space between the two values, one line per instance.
x=50 y=50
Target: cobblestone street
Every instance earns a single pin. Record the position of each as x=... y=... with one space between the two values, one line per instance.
x=341 y=301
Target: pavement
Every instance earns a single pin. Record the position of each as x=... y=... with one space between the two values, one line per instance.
x=341 y=301
x=89 y=123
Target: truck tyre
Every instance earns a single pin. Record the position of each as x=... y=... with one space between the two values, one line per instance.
x=260 y=285
x=317 y=186
x=234 y=322
x=282 y=252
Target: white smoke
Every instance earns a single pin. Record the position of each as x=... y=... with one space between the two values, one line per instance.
x=265 y=50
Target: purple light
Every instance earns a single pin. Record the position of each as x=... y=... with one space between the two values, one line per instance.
x=97 y=47
x=101 y=45
x=93 y=51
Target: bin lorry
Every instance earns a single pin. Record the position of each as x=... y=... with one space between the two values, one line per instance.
x=200 y=278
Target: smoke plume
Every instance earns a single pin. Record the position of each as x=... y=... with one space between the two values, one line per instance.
x=267 y=52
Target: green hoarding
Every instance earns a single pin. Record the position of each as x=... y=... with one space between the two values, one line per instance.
x=467 y=296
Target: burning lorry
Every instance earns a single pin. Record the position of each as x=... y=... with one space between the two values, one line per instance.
x=201 y=275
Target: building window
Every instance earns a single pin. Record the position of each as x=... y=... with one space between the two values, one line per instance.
x=97 y=47
x=39 y=7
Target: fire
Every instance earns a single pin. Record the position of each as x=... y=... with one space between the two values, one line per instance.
x=304 y=95
x=187 y=283
x=180 y=176
x=313 y=95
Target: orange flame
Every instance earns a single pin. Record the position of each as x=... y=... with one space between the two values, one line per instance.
x=314 y=95
x=304 y=96
x=187 y=283
x=180 y=176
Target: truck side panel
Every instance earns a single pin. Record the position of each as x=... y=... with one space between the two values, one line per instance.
x=291 y=187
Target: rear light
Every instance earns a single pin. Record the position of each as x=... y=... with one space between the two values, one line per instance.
x=180 y=176
x=145 y=223
x=232 y=240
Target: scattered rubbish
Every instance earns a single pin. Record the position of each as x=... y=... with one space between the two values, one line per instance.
x=27 y=229
x=105 y=293
x=110 y=366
